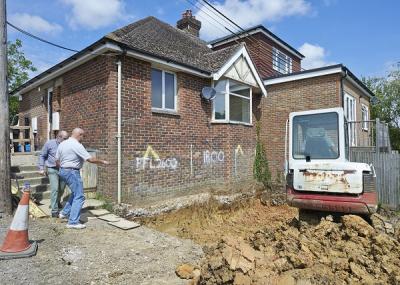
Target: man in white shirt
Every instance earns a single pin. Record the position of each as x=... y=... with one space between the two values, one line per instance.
x=70 y=156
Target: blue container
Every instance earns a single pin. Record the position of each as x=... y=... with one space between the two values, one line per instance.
x=19 y=148
x=28 y=147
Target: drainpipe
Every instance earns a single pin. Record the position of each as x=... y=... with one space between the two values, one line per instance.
x=119 y=131
x=344 y=75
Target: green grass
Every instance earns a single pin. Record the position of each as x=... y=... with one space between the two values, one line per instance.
x=108 y=205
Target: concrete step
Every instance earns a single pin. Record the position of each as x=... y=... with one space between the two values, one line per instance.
x=29 y=174
x=41 y=180
x=90 y=204
x=24 y=168
x=39 y=196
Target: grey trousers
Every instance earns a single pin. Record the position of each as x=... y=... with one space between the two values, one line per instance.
x=57 y=187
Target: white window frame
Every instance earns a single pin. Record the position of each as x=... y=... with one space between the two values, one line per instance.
x=276 y=55
x=353 y=113
x=364 y=111
x=227 y=95
x=163 y=108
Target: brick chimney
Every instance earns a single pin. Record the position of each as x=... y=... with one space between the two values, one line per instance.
x=189 y=24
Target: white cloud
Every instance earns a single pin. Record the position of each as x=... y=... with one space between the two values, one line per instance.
x=34 y=23
x=315 y=56
x=248 y=13
x=94 y=14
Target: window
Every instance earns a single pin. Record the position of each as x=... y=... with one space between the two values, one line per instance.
x=350 y=114
x=163 y=90
x=281 y=62
x=232 y=102
x=365 y=117
x=316 y=136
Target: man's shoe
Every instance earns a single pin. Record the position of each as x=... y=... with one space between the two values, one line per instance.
x=76 y=226
x=55 y=215
x=62 y=216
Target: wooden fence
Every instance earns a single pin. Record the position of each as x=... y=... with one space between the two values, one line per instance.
x=387 y=167
x=89 y=173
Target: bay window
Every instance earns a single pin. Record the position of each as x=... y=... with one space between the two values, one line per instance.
x=232 y=102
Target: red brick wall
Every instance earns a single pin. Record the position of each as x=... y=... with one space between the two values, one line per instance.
x=87 y=98
x=32 y=106
x=177 y=139
x=284 y=98
x=260 y=50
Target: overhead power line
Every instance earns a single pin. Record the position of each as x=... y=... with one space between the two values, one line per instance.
x=40 y=39
x=222 y=17
x=51 y=43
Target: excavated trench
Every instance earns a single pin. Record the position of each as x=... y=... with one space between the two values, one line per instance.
x=261 y=240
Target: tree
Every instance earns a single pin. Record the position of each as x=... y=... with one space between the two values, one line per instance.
x=387 y=103
x=18 y=68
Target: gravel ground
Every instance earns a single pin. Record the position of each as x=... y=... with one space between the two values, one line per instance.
x=99 y=254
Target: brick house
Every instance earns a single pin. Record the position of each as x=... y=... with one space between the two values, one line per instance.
x=291 y=89
x=173 y=141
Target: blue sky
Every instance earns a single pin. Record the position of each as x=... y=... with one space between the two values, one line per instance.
x=362 y=34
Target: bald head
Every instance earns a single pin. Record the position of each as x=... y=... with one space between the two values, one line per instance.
x=77 y=134
x=62 y=135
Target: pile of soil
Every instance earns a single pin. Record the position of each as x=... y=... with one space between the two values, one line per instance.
x=350 y=251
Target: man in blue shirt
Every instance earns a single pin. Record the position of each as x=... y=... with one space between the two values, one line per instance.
x=47 y=159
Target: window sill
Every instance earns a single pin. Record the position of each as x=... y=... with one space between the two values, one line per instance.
x=232 y=123
x=165 y=111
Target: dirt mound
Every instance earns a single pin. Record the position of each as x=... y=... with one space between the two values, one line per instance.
x=348 y=252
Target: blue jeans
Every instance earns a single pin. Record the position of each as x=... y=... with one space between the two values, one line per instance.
x=75 y=202
x=57 y=187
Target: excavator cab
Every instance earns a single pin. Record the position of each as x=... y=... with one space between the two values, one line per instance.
x=319 y=175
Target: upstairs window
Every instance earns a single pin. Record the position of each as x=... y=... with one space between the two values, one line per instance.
x=365 y=117
x=232 y=103
x=281 y=62
x=163 y=90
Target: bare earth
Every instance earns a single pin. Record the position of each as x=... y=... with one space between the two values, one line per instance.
x=99 y=254
x=249 y=241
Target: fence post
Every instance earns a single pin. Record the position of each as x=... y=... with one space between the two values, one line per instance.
x=377 y=130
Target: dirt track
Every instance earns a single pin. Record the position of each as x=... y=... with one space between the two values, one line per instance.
x=99 y=254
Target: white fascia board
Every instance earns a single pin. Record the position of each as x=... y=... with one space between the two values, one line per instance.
x=172 y=66
x=77 y=62
x=232 y=60
x=351 y=80
x=266 y=34
x=301 y=76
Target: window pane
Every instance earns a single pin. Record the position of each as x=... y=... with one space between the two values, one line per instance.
x=156 y=88
x=316 y=136
x=243 y=92
x=219 y=106
x=239 y=88
x=239 y=109
x=220 y=86
x=169 y=91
